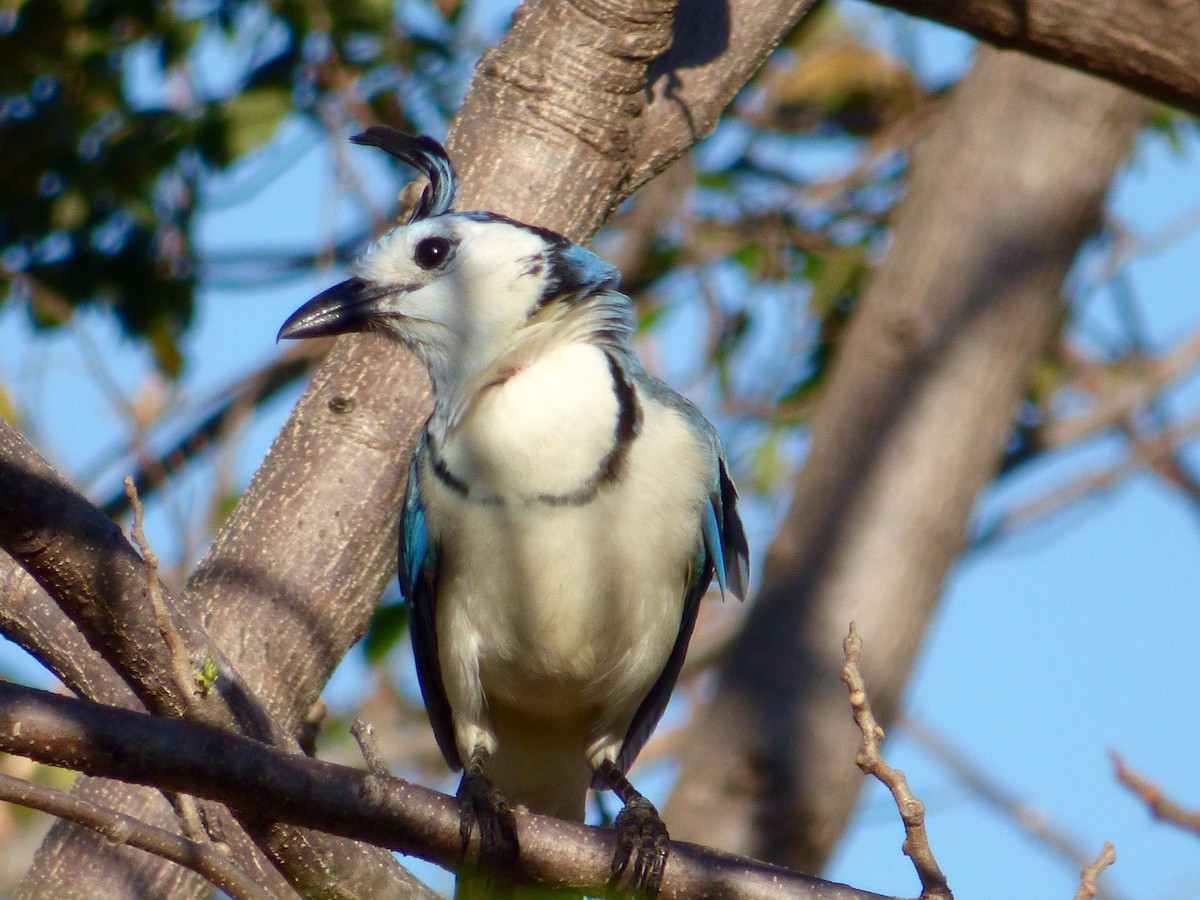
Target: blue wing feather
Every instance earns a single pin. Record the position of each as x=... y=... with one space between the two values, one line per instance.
x=418 y=568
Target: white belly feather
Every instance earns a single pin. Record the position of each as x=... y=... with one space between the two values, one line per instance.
x=563 y=614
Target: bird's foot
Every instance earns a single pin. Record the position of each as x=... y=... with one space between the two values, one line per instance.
x=642 y=848
x=483 y=810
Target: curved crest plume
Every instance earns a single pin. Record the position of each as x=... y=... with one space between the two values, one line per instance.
x=425 y=155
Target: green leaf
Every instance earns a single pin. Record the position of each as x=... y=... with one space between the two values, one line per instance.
x=254 y=115
x=388 y=625
x=167 y=354
x=834 y=275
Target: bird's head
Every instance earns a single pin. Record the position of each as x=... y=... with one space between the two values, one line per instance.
x=464 y=289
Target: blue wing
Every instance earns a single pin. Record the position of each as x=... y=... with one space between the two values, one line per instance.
x=722 y=552
x=418 y=580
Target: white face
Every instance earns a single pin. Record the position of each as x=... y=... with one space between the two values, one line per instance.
x=463 y=287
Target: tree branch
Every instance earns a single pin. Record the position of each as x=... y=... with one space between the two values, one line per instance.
x=1090 y=874
x=1160 y=805
x=267 y=783
x=870 y=759
x=84 y=562
x=1151 y=47
x=201 y=857
x=1115 y=408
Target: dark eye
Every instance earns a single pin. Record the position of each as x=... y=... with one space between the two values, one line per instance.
x=432 y=252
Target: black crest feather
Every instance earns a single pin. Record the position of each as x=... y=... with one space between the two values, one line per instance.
x=425 y=155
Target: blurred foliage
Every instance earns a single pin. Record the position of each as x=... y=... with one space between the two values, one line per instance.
x=388 y=625
x=112 y=114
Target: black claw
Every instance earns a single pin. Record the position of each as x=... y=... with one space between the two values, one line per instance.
x=483 y=809
x=642 y=847
x=642 y=839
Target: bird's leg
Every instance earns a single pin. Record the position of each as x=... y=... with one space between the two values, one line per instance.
x=483 y=807
x=642 y=839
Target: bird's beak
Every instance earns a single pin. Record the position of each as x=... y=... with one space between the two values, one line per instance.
x=345 y=307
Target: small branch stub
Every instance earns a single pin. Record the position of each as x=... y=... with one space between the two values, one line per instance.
x=870 y=760
x=1090 y=874
x=364 y=734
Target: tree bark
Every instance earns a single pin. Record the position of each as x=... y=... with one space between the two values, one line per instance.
x=1151 y=46
x=913 y=418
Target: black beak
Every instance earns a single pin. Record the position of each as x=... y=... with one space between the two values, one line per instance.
x=345 y=307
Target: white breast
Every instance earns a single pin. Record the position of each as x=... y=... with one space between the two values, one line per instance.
x=541 y=430
x=565 y=613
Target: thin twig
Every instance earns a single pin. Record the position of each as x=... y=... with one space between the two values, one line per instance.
x=870 y=760
x=1160 y=805
x=201 y=857
x=189 y=815
x=1089 y=873
x=365 y=735
x=1146 y=452
x=181 y=668
x=1115 y=407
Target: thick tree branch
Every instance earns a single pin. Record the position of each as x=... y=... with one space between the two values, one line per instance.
x=717 y=45
x=1148 y=45
x=913 y=417
x=29 y=618
x=268 y=783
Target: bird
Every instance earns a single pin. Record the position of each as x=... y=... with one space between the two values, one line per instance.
x=565 y=511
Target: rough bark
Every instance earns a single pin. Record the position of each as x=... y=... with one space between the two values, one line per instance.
x=291 y=581
x=1151 y=46
x=914 y=415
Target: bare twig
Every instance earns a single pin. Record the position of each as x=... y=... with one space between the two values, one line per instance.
x=201 y=857
x=253 y=389
x=1160 y=805
x=1111 y=410
x=365 y=735
x=189 y=816
x=1148 y=451
x=870 y=760
x=181 y=669
x=1091 y=872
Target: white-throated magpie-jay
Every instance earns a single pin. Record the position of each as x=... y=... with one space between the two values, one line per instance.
x=565 y=510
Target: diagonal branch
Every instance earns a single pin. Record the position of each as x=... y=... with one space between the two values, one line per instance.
x=1161 y=806
x=202 y=857
x=912 y=418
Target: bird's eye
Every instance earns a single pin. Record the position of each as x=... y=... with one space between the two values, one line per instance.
x=431 y=252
